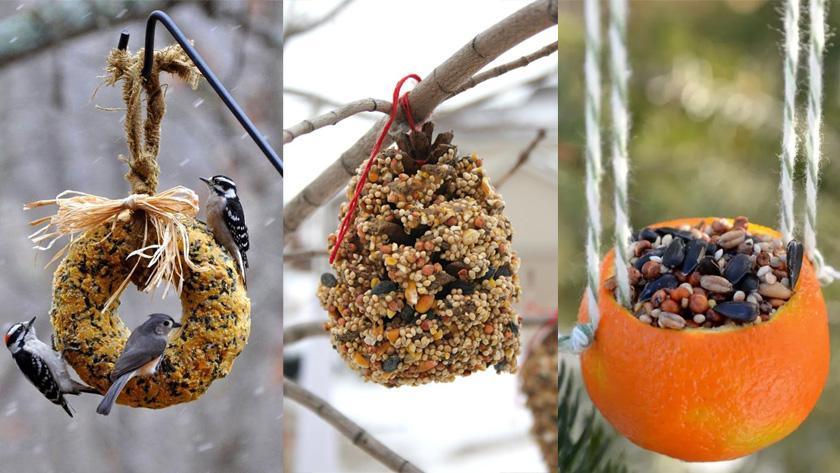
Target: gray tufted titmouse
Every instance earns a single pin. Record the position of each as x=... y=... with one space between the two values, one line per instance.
x=140 y=357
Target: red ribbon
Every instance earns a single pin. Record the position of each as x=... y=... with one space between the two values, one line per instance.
x=351 y=209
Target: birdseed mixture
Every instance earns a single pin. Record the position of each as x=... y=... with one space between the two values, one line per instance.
x=426 y=278
x=710 y=275
x=539 y=384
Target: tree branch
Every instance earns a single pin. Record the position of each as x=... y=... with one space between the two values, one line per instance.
x=431 y=92
x=357 y=435
x=298 y=332
x=507 y=67
x=523 y=158
x=49 y=24
x=293 y=30
x=334 y=116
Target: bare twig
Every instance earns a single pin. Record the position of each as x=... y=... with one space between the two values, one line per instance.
x=334 y=116
x=357 y=435
x=373 y=105
x=295 y=29
x=298 y=332
x=431 y=92
x=507 y=67
x=48 y=24
x=523 y=158
x=294 y=256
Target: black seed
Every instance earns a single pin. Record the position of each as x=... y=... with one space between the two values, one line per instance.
x=384 y=287
x=644 y=259
x=465 y=287
x=502 y=272
x=648 y=234
x=408 y=314
x=675 y=233
x=740 y=311
x=514 y=328
x=675 y=254
x=327 y=279
x=795 y=252
x=500 y=366
x=694 y=252
x=708 y=267
x=666 y=281
x=391 y=364
x=749 y=283
x=489 y=274
x=737 y=268
x=454 y=268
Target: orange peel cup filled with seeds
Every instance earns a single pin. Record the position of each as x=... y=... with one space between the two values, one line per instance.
x=708 y=394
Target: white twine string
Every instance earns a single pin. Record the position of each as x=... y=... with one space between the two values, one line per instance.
x=583 y=335
x=594 y=172
x=619 y=74
x=788 y=157
x=813 y=141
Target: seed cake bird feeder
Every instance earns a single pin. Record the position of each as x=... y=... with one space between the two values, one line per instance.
x=147 y=239
x=539 y=385
x=704 y=339
x=425 y=277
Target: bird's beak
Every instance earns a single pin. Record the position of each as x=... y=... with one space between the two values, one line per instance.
x=29 y=324
x=206 y=181
x=176 y=324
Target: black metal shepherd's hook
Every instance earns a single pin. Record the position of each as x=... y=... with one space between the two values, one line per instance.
x=214 y=82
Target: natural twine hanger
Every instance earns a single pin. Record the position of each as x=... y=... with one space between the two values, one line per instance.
x=143 y=138
x=165 y=212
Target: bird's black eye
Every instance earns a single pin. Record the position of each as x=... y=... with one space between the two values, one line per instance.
x=167 y=323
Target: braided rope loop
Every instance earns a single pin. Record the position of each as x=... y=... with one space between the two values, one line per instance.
x=619 y=75
x=813 y=140
x=583 y=334
x=594 y=168
x=787 y=223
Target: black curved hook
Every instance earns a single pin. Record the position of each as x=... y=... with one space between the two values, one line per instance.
x=214 y=82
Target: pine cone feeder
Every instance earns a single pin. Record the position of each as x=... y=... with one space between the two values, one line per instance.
x=539 y=384
x=426 y=278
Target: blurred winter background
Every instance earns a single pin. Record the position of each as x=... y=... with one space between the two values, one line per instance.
x=53 y=138
x=478 y=423
x=706 y=103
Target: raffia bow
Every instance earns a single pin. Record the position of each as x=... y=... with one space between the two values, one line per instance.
x=165 y=212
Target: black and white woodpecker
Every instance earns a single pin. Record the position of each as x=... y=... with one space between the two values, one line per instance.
x=42 y=366
x=140 y=356
x=226 y=219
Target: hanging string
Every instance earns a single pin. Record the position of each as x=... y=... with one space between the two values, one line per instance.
x=813 y=140
x=619 y=75
x=396 y=102
x=581 y=336
x=787 y=223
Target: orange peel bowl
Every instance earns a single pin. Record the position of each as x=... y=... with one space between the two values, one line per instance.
x=709 y=394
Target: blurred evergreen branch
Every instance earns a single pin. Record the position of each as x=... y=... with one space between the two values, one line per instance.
x=587 y=451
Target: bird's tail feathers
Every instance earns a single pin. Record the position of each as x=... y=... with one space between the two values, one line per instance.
x=113 y=393
x=67 y=408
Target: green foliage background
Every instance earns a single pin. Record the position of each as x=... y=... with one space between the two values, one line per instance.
x=706 y=101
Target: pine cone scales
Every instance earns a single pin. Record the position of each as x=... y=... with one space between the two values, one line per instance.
x=426 y=277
